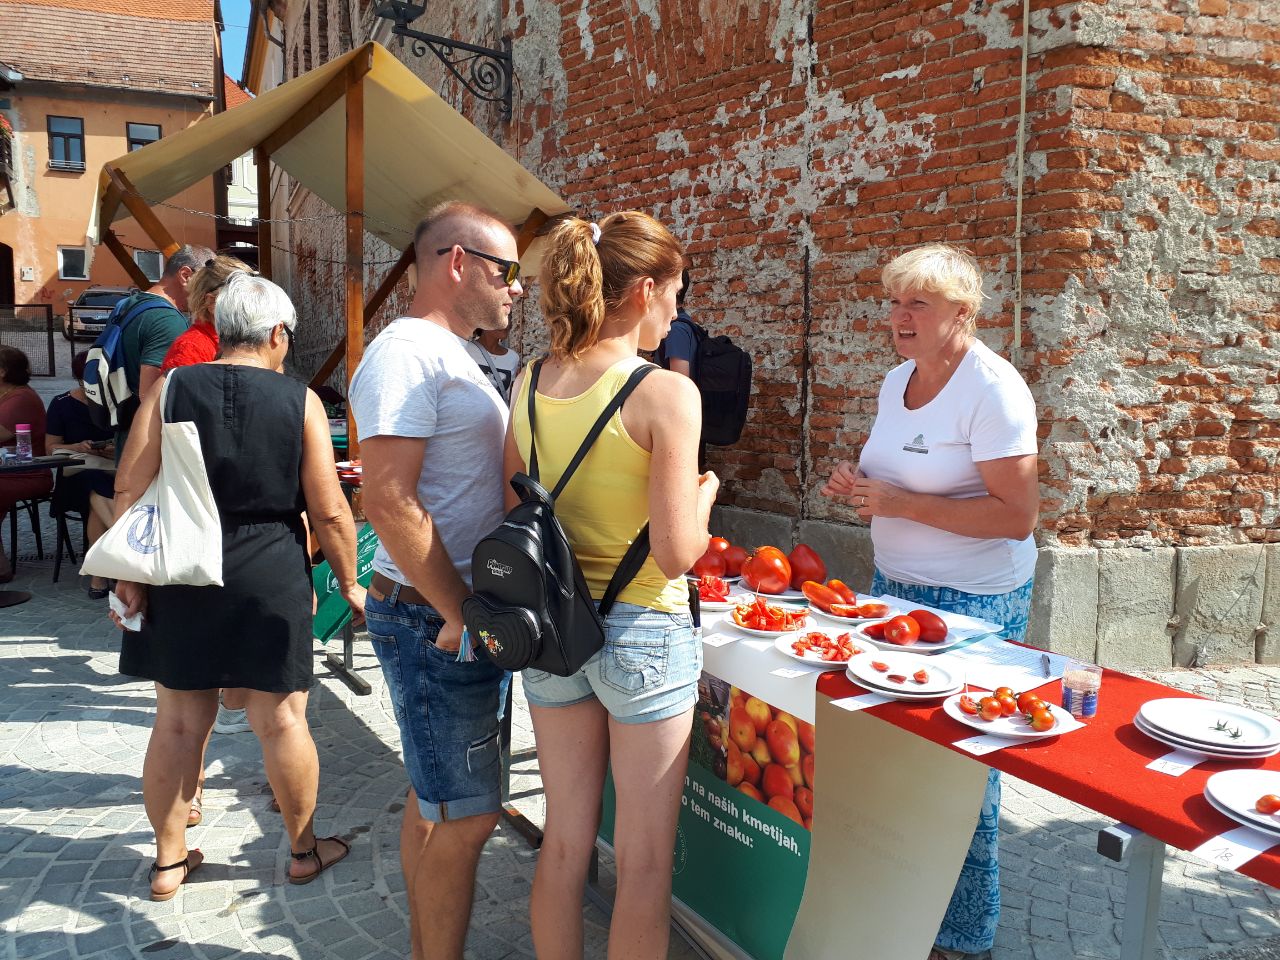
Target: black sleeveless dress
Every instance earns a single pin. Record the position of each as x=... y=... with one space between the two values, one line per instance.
x=255 y=630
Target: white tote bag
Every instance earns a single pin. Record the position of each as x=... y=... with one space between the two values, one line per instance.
x=173 y=533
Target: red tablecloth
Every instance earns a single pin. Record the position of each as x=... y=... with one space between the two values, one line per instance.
x=1101 y=767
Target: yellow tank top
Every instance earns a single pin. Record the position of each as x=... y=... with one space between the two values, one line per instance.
x=607 y=500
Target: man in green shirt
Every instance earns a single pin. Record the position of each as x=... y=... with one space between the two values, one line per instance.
x=147 y=339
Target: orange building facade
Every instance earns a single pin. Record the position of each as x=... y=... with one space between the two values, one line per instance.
x=72 y=107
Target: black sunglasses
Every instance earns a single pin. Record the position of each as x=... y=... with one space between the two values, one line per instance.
x=288 y=334
x=511 y=267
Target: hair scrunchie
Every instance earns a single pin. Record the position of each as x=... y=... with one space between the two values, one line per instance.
x=595 y=234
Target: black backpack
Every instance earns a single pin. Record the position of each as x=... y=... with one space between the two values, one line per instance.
x=530 y=606
x=722 y=372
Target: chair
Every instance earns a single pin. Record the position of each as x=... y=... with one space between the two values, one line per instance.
x=61 y=508
x=32 y=506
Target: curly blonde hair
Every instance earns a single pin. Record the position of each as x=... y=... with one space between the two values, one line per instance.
x=208 y=280
x=583 y=281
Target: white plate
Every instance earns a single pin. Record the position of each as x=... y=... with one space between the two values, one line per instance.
x=1197 y=720
x=771 y=634
x=908 y=697
x=940 y=678
x=1236 y=791
x=1253 y=825
x=1218 y=753
x=851 y=621
x=919 y=647
x=1015 y=728
x=719 y=606
x=695 y=578
x=783 y=645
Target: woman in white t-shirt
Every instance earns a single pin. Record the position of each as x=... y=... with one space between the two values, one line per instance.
x=948 y=480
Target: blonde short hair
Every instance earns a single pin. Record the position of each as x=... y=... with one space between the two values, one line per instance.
x=211 y=278
x=938 y=268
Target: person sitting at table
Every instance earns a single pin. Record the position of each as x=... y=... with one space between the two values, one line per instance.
x=87 y=492
x=608 y=291
x=19 y=404
x=255 y=630
x=948 y=480
x=199 y=344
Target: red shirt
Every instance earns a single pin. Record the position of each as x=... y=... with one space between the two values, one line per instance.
x=198 y=345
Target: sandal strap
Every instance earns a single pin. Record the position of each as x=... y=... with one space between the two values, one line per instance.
x=185 y=862
x=313 y=852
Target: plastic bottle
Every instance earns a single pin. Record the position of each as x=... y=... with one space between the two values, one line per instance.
x=22 y=441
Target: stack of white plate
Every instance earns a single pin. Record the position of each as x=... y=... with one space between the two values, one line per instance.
x=1235 y=794
x=940 y=681
x=1221 y=730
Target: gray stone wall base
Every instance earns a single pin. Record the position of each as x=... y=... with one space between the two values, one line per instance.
x=1064 y=603
x=1218 y=604
x=1130 y=608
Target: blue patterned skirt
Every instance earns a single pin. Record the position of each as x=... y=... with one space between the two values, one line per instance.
x=974 y=912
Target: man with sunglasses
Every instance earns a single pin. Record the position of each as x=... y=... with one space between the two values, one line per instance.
x=431 y=429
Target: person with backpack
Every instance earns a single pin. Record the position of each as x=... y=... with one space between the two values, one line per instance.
x=720 y=368
x=608 y=291
x=124 y=363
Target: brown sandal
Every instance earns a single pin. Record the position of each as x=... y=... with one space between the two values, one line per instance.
x=187 y=870
x=313 y=854
x=196 y=813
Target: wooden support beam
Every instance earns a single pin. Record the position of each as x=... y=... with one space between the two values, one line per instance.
x=355 y=247
x=371 y=308
x=112 y=243
x=146 y=218
x=529 y=229
x=324 y=98
x=110 y=203
x=262 y=160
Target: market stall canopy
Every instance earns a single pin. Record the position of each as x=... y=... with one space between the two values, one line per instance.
x=418 y=151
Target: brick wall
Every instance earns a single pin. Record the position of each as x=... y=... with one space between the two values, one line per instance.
x=796 y=147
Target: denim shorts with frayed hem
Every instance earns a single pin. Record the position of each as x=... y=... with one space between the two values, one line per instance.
x=647 y=670
x=447 y=712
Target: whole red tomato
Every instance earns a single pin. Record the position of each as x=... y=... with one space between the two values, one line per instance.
x=806 y=565
x=734 y=558
x=767 y=571
x=710 y=564
x=903 y=631
x=932 y=628
x=718 y=545
x=1268 y=804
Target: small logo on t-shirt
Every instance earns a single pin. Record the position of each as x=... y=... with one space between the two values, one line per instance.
x=917 y=445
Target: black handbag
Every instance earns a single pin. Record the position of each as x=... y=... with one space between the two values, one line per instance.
x=530 y=606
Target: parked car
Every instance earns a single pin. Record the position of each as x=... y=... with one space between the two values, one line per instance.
x=88 y=315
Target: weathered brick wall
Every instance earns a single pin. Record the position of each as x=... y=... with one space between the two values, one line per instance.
x=797 y=146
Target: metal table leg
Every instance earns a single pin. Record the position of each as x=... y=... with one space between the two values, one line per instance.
x=1139 y=938
x=342 y=668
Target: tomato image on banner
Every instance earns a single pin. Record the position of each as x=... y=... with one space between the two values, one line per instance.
x=744 y=818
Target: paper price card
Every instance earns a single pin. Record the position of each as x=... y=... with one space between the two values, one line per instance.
x=789 y=673
x=860 y=703
x=1235 y=847
x=1175 y=764
x=718 y=639
x=981 y=744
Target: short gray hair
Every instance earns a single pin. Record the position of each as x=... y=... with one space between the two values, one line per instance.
x=187 y=256
x=247 y=308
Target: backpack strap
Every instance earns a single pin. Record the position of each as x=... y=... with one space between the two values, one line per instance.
x=137 y=310
x=633 y=381
x=628 y=567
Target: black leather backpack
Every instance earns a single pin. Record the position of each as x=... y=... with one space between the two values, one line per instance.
x=530 y=606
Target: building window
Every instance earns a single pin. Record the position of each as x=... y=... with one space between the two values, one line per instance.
x=71 y=264
x=140 y=134
x=66 y=143
x=149 y=262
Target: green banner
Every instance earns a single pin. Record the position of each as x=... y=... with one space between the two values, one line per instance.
x=332 y=611
x=742 y=849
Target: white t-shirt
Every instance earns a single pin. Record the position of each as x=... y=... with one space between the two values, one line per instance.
x=501 y=369
x=417 y=379
x=985 y=412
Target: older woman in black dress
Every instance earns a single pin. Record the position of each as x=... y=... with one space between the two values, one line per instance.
x=265 y=440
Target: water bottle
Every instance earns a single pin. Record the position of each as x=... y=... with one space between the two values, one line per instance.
x=22 y=441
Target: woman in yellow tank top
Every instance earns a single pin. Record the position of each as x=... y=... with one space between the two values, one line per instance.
x=608 y=291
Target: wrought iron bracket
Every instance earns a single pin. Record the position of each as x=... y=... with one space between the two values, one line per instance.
x=485 y=72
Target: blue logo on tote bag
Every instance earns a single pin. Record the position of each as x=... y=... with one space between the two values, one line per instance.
x=144 y=533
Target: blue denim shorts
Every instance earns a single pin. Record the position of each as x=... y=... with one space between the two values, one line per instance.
x=647 y=670
x=447 y=712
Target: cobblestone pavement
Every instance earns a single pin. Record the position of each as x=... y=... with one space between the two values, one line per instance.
x=75 y=844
